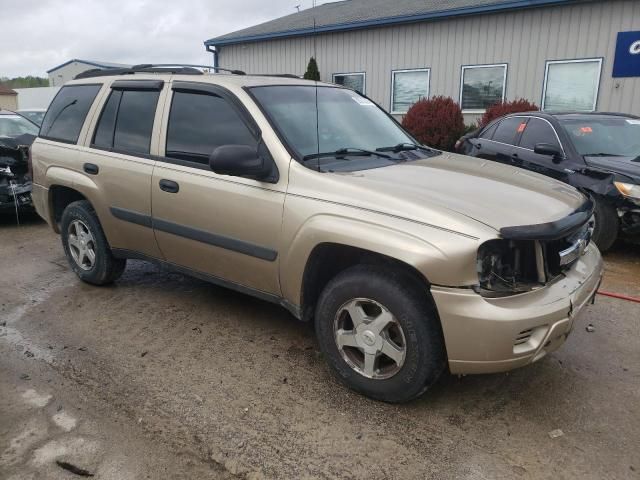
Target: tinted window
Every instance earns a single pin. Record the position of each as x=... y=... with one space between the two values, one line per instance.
x=508 y=130
x=488 y=133
x=67 y=112
x=537 y=131
x=104 y=131
x=198 y=123
x=135 y=121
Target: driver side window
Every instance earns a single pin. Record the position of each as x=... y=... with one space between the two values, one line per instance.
x=201 y=122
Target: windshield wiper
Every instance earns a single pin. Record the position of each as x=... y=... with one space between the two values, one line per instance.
x=403 y=147
x=342 y=152
x=602 y=155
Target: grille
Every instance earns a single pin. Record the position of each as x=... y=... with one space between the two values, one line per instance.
x=523 y=337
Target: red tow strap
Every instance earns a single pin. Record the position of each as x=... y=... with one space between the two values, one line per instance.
x=617 y=295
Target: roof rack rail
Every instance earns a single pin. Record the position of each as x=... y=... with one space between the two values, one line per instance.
x=175 y=68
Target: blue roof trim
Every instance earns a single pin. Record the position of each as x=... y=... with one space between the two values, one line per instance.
x=80 y=61
x=496 y=7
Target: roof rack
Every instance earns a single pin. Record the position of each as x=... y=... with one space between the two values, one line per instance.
x=175 y=68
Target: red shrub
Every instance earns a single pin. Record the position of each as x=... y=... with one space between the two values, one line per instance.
x=436 y=122
x=503 y=108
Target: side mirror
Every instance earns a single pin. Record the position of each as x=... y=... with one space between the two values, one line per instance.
x=550 y=150
x=239 y=161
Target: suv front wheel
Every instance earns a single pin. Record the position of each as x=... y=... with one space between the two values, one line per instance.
x=86 y=247
x=380 y=333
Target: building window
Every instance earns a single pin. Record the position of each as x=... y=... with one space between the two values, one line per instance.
x=354 y=81
x=482 y=86
x=407 y=87
x=571 y=84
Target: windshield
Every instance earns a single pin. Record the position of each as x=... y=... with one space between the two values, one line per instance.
x=35 y=116
x=15 y=125
x=614 y=136
x=345 y=119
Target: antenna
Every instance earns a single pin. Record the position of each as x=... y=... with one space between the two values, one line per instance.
x=297 y=7
x=317 y=113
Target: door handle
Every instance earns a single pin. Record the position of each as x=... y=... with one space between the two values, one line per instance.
x=91 y=168
x=169 y=186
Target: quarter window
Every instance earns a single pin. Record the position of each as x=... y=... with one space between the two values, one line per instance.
x=201 y=122
x=407 y=87
x=354 y=81
x=126 y=122
x=508 y=130
x=571 y=85
x=488 y=133
x=68 y=111
x=482 y=86
x=537 y=131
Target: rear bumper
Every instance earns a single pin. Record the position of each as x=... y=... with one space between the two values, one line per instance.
x=485 y=335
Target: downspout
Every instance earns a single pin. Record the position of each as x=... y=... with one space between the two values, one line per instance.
x=214 y=51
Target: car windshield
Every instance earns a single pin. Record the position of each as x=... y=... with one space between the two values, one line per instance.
x=35 y=116
x=15 y=125
x=604 y=136
x=346 y=121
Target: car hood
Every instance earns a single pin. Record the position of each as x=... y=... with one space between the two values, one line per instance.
x=628 y=166
x=442 y=190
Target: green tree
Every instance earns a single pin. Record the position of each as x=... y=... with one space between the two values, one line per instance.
x=312 y=72
x=24 y=82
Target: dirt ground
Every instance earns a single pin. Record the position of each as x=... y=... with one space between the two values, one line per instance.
x=164 y=376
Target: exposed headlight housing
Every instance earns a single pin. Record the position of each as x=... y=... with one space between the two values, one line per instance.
x=628 y=189
x=507 y=267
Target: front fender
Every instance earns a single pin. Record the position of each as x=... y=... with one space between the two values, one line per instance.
x=443 y=257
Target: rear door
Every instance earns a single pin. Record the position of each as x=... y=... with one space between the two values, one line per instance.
x=118 y=158
x=498 y=143
x=538 y=130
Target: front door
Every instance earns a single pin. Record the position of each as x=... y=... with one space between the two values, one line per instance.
x=223 y=226
x=540 y=131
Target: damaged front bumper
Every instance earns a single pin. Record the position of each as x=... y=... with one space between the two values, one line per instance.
x=15 y=181
x=487 y=335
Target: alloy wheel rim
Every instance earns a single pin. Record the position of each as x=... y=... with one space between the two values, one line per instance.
x=369 y=338
x=81 y=245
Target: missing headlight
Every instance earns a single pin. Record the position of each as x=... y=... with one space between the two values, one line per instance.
x=507 y=267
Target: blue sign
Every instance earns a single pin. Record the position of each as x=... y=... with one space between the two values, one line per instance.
x=627 y=61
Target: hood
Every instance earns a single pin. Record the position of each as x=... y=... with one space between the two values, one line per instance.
x=628 y=166
x=443 y=190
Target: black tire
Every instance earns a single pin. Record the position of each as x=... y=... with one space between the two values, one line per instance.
x=106 y=268
x=607 y=224
x=414 y=310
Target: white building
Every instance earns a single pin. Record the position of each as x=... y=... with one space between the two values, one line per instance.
x=61 y=74
x=560 y=54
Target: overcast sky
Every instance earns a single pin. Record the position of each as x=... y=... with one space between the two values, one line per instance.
x=40 y=34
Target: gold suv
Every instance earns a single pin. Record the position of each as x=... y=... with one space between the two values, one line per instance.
x=409 y=260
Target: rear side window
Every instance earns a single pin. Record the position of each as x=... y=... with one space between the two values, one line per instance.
x=199 y=123
x=537 y=131
x=488 y=133
x=509 y=129
x=67 y=113
x=126 y=122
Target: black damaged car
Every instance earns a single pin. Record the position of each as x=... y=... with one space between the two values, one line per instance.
x=598 y=153
x=16 y=136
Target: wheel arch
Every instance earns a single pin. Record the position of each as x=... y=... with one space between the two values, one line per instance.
x=329 y=259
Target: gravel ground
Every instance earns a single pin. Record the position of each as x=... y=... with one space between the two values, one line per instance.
x=165 y=376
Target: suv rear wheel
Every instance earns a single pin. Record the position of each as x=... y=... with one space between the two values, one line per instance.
x=86 y=246
x=380 y=333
